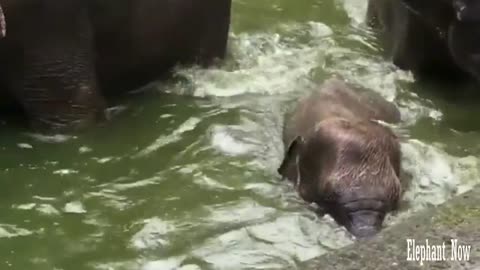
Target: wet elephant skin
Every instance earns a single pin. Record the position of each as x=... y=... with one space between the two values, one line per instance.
x=61 y=58
x=434 y=39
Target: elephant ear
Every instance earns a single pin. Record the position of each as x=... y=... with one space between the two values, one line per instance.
x=3 y=25
x=289 y=166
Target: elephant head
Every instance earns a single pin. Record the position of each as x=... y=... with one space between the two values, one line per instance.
x=350 y=169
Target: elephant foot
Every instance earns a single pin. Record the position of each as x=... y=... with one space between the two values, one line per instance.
x=56 y=82
x=463 y=40
x=66 y=122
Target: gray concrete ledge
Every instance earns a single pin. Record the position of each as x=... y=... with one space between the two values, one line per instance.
x=459 y=218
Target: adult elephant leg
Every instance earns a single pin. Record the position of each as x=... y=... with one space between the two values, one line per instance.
x=3 y=25
x=417 y=43
x=372 y=16
x=56 y=81
x=464 y=45
x=213 y=43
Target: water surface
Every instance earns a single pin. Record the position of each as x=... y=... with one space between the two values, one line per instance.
x=185 y=176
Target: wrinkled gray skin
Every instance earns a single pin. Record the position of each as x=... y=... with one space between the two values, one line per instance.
x=61 y=57
x=338 y=157
x=432 y=38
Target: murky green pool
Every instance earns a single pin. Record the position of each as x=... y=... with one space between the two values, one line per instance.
x=185 y=177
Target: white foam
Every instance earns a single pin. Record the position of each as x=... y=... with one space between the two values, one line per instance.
x=57 y=138
x=275 y=243
x=9 y=231
x=266 y=65
x=65 y=171
x=237 y=250
x=25 y=146
x=168 y=264
x=153 y=234
x=47 y=209
x=438 y=176
x=223 y=141
x=127 y=183
x=236 y=213
x=210 y=183
x=176 y=135
x=75 y=207
x=110 y=199
x=27 y=206
x=356 y=10
x=84 y=149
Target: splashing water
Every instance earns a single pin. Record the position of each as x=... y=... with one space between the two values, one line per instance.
x=188 y=180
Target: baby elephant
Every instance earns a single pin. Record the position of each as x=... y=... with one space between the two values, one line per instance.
x=341 y=158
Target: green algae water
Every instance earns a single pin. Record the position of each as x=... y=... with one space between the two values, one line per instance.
x=184 y=177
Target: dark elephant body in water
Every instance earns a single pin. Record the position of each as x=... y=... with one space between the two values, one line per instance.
x=61 y=57
x=432 y=38
x=339 y=157
x=3 y=25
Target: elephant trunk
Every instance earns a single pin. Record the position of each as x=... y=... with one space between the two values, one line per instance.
x=56 y=82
